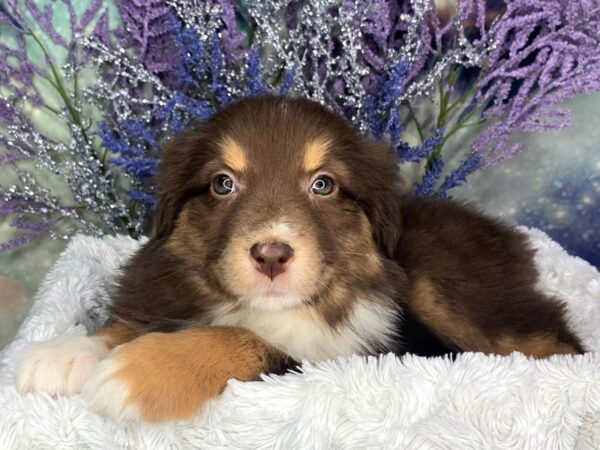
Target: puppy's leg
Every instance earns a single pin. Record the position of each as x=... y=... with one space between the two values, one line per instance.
x=529 y=323
x=61 y=365
x=169 y=376
x=116 y=333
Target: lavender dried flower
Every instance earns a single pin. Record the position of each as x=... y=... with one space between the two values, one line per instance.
x=546 y=53
x=174 y=62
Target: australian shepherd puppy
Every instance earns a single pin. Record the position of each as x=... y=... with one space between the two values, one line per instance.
x=280 y=237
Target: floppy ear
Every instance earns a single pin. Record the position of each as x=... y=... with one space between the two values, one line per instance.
x=180 y=160
x=386 y=221
x=378 y=195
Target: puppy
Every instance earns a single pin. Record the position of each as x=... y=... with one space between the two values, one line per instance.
x=279 y=237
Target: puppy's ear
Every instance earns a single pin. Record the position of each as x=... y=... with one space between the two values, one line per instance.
x=386 y=220
x=181 y=159
x=378 y=194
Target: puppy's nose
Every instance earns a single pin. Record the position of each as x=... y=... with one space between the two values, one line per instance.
x=271 y=258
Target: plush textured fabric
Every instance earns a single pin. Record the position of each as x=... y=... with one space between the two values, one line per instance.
x=477 y=401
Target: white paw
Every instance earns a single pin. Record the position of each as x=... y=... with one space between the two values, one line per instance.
x=107 y=394
x=59 y=366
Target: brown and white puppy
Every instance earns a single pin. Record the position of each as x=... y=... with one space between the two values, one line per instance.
x=280 y=238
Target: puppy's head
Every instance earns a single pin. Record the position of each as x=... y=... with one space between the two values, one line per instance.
x=276 y=202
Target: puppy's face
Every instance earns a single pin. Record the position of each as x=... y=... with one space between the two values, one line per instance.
x=276 y=202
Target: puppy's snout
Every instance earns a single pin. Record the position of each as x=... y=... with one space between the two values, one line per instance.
x=271 y=258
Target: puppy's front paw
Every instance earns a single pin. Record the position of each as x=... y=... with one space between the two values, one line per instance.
x=170 y=376
x=59 y=366
x=111 y=389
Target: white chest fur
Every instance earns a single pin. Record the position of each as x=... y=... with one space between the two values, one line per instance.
x=304 y=335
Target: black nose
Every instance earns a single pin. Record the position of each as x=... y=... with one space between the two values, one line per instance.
x=271 y=258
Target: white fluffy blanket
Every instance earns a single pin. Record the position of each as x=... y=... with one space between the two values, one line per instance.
x=475 y=402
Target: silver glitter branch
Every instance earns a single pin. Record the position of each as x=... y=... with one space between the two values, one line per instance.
x=465 y=52
x=63 y=186
x=69 y=165
x=114 y=92
x=309 y=47
x=366 y=60
x=204 y=16
x=324 y=48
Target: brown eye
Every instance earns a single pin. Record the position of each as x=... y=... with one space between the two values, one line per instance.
x=322 y=185
x=223 y=185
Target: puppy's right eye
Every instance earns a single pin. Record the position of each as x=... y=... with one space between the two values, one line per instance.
x=323 y=185
x=223 y=185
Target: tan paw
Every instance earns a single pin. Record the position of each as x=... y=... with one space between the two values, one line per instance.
x=59 y=366
x=169 y=376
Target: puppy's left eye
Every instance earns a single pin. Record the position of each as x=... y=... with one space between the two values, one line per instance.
x=322 y=185
x=223 y=185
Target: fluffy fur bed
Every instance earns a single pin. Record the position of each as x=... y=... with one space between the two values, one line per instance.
x=476 y=401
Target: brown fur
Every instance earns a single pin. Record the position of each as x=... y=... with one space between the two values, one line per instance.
x=473 y=282
x=461 y=330
x=234 y=155
x=116 y=333
x=194 y=367
x=314 y=154
x=460 y=280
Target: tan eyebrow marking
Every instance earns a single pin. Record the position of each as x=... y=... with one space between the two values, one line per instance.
x=234 y=154
x=314 y=154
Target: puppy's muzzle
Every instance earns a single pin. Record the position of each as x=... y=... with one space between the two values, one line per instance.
x=271 y=258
